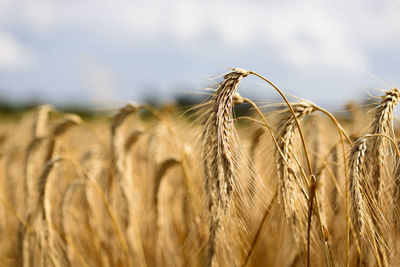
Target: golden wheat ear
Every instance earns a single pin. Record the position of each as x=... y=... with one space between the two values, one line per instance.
x=219 y=155
x=292 y=187
x=372 y=172
x=380 y=150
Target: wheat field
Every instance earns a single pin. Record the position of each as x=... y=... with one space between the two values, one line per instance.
x=288 y=186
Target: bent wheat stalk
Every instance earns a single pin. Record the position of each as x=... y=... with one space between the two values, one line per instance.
x=309 y=169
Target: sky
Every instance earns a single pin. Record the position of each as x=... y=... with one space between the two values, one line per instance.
x=98 y=52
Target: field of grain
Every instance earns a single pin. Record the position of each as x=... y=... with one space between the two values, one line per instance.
x=291 y=186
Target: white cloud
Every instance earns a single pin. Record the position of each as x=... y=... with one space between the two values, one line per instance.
x=304 y=33
x=186 y=20
x=12 y=54
x=100 y=80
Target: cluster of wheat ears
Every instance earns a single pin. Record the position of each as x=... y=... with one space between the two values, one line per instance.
x=295 y=186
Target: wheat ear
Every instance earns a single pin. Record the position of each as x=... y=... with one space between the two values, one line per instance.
x=218 y=154
x=365 y=212
x=382 y=125
x=290 y=185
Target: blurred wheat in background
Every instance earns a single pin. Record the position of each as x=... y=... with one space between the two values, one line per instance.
x=288 y=186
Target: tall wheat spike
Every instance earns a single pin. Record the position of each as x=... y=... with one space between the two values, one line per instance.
x=366 y=215
x=291 y=187
x=219 y=153
x=358 y=187
x=120 y=184
x=381 y=170
x=379 y=149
